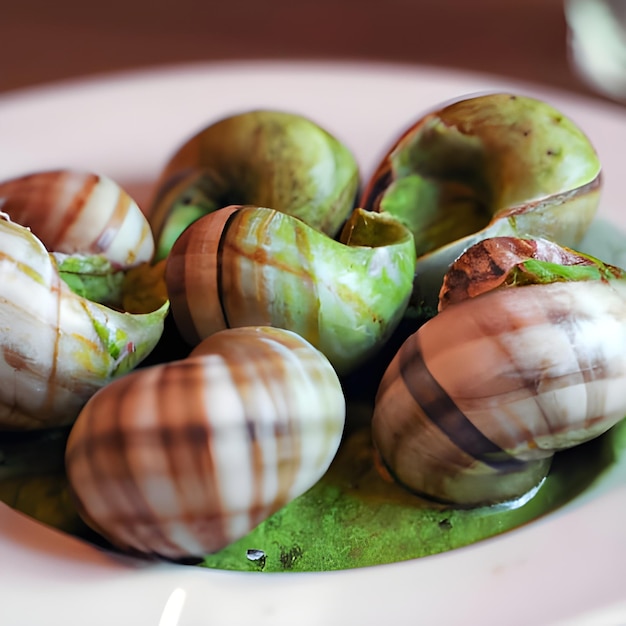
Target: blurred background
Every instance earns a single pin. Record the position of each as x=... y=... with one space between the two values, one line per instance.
x=43 y=41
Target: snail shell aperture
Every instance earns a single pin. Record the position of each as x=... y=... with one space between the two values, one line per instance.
x=182 y=458
x=486 y=166
x=243 y=266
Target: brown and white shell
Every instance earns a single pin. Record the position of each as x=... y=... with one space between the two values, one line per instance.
x=79 y=212
x=477 y=401
x=181 y=459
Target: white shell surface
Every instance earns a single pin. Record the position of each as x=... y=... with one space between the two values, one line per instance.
x=553 y=355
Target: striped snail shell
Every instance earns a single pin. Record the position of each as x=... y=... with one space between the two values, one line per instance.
x=243 y=266
x=56 y=347
x=478 y=400
x=492 y=165
x=183 y=458
x=79 y=212
x=263 y=157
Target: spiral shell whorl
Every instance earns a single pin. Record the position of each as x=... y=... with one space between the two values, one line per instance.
x=500 y=381
x=183 y=458
x=267 y=158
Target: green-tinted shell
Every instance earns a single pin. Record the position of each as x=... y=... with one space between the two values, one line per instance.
x=498 y=164
x=247 y=266
x=265 y=158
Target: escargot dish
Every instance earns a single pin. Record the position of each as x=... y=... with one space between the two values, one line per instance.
x=271 y=370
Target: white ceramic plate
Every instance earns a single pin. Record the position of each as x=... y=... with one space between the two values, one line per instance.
x=567 y=568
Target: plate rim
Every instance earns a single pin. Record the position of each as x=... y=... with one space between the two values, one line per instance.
x=431 y=568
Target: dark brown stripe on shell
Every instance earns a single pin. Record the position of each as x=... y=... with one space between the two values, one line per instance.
x=157 y=213
x=443 y=412
x=373 y=196
x=73 y=210
x=220 y=256
x=176 y=279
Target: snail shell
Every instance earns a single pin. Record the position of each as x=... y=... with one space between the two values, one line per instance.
x=57 y=348
x=477 y=400
x=264 y=158
x=242 y=266
x=180 y=459
x=506 y=262
x=78 y=212
x=492 y=165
